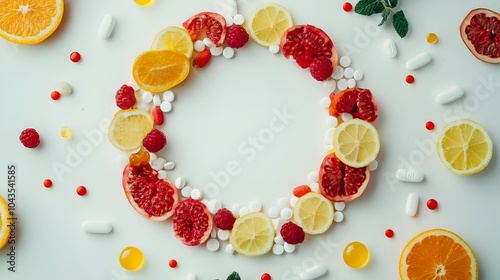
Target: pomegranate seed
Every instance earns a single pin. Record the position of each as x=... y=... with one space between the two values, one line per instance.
x=75 y=56
x=55 y=95
x=347 y=7
x=47 y=183
x=429 y=125
x=389 y=233
x=81 y=190
x=265 y=276
x=301 y=190
x=410 y=79
x=432 y=204
x=172 y=263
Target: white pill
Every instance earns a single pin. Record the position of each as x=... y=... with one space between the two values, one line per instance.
x=156 y=100
x=238 y=19
x=314 y=187
x=278 y=249
x=283 y=202
x=289 y=248
x=158 y=163
x=166 y=106
x=214 y=205
x=216 y=51
x=373 y=165
x=255 y=206
x=346 y=116
x=325 y=102
x=180 y=182
x=213 y=233
x=228 y=52
x=279 y=239
x=339 y=206
x=351 y=83
x=229 y=249
x=330 y=83
x=223 y=234
x=450 y=95
x=312 y=177
x=313 y=272
x=412 y=204
x=293 y=201
x=208 y=43
x=186 y=191
x=342 y=84
x=191 y=276
x=273 y=212
x=147 y=97
x=345 y=61
x=169 y=166
x=106 y=27
x=64 y=88
x=278 y=223
x=358 y=75
x=199 y=45
x=418 y=61
x=338 y=217
x=286 y=213
x=243 y=211
x=168 y=96
x=162 y=174
x=213 y=245
x=235 y=209
x=348 y=72
x=331 y=121
x=196 y=193
x=101 y=227
x=338 y=73
x=274 y=49
x=229 y=20
x=152 y=157
x=226 y=7
x=390 y=48
x=409 y=175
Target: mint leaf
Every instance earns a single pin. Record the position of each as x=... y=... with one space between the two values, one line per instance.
x=234 y=276
x=400 y=23
x=390 y=3
x=385 y=16
x=369 y=7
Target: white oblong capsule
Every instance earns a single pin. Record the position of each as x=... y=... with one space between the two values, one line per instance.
x=412 y=204
x=450 y=95
x=106 y=27
x=313 y=272
x=101 y=227
x=390 y=48
x=409 y=175
x=418 y=61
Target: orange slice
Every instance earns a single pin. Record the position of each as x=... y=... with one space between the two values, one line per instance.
x=158 y=71
x=438 y=254
x=174 y=38
x=4 y=216
x=29 y=22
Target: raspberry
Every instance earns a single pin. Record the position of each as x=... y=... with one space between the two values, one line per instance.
x=125 y=97
x=30 y=138
x=236 y=36
x=292 y=233
x=224 y=219
x=321 y=68
x=154 y=141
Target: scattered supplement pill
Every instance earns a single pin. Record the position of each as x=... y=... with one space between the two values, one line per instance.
x=325 y=101
x=273 y=212
x=228 y=52
x=314 y=187
x=332 y=121
x=162 y=174
x=293 y=201
x=302 y=190
x=208 y=43
x=265 y=276
x=356 y=254
x=348 y=72
x=432 y=204
x=213 y=245
x=313 y=176
x=216 y=51
x=373 y=165
x=346 y=116
x=410 y=79
x=223 y=235
x=55 y=95
x=166 y=106
x=342 y=84
x=98 y=227
x=199 y=45
x=213 y=233
x=131 y=258
x=339 y=206
x=191 y=276
x=289 y=248
x=432 y=38
x=358 y=75
x=351 y=83
x=66 y=132
x=238 y=19
x=81 y=190
x=229 y=20
x=172 y=263
x=347 y=7
x=412 y=204
x=180 y=182
x=47 y=183
x=255 y=206
x=214 y=205
x=286 y=213
x=106 y=27
x=338 y=73
x=274 y=49
x=449 y=95
x=147 y=97
x=345 y=61
x=279 y=239
x=330 y=83
x=169 y=166
x=389 y=233
x=313 y=272
x=283 y=202
x=418 y=61
x=243 y=211
x=338 y=216
x=64 y=88
x=390 y=48
x=229 y=249
x=429 y=125
x=186 y=191
x=156 y=100
x=75 y=56
x=168 y=96
x=409 y=175
x=278 y=249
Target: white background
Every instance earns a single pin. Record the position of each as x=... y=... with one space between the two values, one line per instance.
x=215 y=111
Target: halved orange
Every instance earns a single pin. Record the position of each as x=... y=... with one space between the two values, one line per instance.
x=29 y=22
x=158 y=71
x=438 y=254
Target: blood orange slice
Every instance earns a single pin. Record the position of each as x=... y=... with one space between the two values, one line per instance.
x=150 y=196
x=192 y=222
x=339 y=182
x=480 y=31
x=359 y=102
x=213 y=24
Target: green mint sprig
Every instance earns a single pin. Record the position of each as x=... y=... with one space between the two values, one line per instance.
x=234 y=276
x=386 y=9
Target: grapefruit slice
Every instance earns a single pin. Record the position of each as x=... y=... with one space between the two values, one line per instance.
x=213 y=24
x=480 y=31
x=358 y=102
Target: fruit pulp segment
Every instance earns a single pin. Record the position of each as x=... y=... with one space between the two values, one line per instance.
x=270 y=23
x=32 y=17
x=464 y=147
x=482 y=32
x=356 y=254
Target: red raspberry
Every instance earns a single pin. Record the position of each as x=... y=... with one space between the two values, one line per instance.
x=202 y=58
x=321 y=68
x=30 y=138
x=292 y=233
x=154 y=141
x=224 y=219
x=236 y=36
x=125 y=97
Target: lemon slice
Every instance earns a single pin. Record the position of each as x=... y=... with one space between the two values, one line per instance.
x=464 y=147
x=174 y=38
x=356 y=143
x=314 y=213
x=4 y=216
x=268 y=23
x=252 y=235
x=128 y=128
